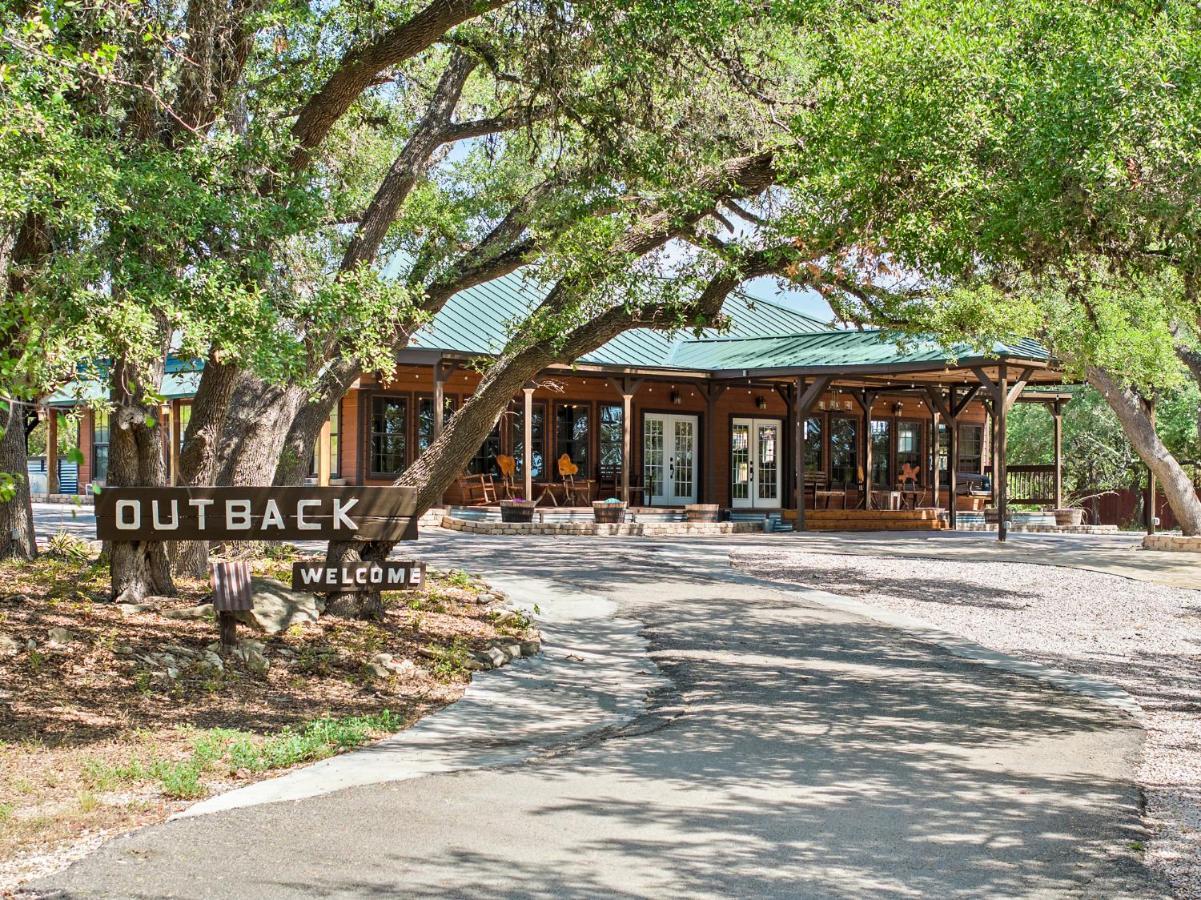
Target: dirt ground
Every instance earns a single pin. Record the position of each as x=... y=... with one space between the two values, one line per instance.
x=109 y=721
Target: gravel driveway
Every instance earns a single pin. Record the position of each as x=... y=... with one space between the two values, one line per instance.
x=1141 y=636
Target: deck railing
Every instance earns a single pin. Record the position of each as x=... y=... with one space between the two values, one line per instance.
x=1032 y=485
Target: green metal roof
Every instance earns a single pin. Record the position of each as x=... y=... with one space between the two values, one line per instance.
x=832 y=349
x=180 y=380
x=478 y=320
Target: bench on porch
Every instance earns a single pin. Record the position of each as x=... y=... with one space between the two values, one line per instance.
x=476 y=490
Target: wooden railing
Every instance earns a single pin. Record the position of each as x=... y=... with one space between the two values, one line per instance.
x=1033 y=485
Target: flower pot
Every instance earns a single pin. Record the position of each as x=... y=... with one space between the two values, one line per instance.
x=608 y=512
x=701 y=512
x=1066 y=517
x=516 y=510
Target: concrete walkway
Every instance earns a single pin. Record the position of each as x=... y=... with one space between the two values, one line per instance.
x=786 y=749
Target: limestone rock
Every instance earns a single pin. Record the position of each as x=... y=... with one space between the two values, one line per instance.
x=383 y=665
x=211 y=664
x=252 y=656
x=531 y=648
x=133 y=609
x=492 y=657
x=277 y=609
x=59 y=637
x=9 y=645
x=203 y=611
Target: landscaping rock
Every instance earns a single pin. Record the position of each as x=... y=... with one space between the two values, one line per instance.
x=383 y=665
x=59 y=637
x=211 y=664
x=203 y=611
x=133 y=609
x=16 y=598
x=276 y=608
x=531 y=648
x=9 y=645
x=252 y=656
x=492 y=657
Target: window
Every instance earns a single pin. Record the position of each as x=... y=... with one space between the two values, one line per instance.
x=909 y=448
x=571 y=434
x=611 y=444
x=844 y=450
x=335 y=444
x=537 y=443
x=389 y=417
x=971 y=448
x=813 y=444
x=425 y=420
x=100 y=445
x=484 y=461
x=881 y=453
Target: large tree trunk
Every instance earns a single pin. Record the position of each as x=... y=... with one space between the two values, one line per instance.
x=17 y=536
x=198 y=457
x=306 y=426
x=1140 y=430
x=260 y=415
x=1192 y=359
x=135 y=459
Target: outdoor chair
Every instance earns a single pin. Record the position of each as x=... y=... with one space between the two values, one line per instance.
x=578 y=492
x=476 y=490
x=508 y=471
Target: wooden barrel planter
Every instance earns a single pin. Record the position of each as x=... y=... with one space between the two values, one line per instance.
x=1066 y=517
x=608 y=512
x=516 y=511
x=701 y=512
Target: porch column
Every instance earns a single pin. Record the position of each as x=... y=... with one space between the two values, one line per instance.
x=324 y=454
x=1002 y=404
x=442 y=371
x=51 y=450
x=934 y=448
x=168 y=414
x=866 y=399
x=711 y=392
x=806 y=396
x=527 y=443
x=1057 y=422
x=953 y=461
x=1149 y=499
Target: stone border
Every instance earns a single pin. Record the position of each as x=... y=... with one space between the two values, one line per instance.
x=1174 y=542
x=1044 y=529
x=625 y=529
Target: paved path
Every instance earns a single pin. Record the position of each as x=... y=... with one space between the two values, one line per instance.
x=786 y=749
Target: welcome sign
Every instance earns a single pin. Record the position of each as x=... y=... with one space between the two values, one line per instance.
x=257 y=514
x=390 y=574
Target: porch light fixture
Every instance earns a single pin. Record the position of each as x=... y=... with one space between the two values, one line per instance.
x=676 y=399
x=761 y=403
x=898 y=408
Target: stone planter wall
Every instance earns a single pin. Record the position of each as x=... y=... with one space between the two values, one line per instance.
x=1174 y=542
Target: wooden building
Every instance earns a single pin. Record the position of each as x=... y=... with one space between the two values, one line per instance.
x=737 y=418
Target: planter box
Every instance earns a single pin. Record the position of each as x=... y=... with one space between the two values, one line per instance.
x=1069 y=516
x=701 y=512
x=516 y=511
x=608 y=513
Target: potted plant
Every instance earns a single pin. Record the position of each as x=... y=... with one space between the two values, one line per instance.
x=517 y=510
x=701 y=512
x=610 y=511
x=1068 y=516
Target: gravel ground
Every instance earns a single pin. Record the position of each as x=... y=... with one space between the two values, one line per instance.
x=1144 y=637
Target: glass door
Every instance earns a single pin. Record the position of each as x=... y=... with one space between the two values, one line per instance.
x=669 y=459
x=755 y=450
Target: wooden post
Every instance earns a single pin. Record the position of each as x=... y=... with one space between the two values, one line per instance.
x=953 y=460
x=324 y=454
x=1057 y=420
x=806 y=396
x=1149 y=499
x=169 y=420
x=51 y=450
x=627 y=443
x=439 y=399
x=231 y=593
x=798 y=452
x=935 y=477
x=866 y=399
x=527 y=441
x=1001 y=404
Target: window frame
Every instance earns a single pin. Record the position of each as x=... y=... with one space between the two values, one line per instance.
x=406 y=402
x=586 y=462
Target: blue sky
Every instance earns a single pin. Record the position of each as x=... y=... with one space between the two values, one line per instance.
x=809 y=302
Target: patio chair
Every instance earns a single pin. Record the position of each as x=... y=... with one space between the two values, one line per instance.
x=578 y=492
x=476 y=490
x=508 y=471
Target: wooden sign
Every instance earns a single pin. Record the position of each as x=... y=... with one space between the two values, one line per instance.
x=390 y=575
x=231 y=593
x=256 y=514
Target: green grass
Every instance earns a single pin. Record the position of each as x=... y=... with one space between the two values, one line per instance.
x=6 y=811
x=225 y=751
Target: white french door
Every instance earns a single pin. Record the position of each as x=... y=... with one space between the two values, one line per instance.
x=755 y=452
x=669 y=459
